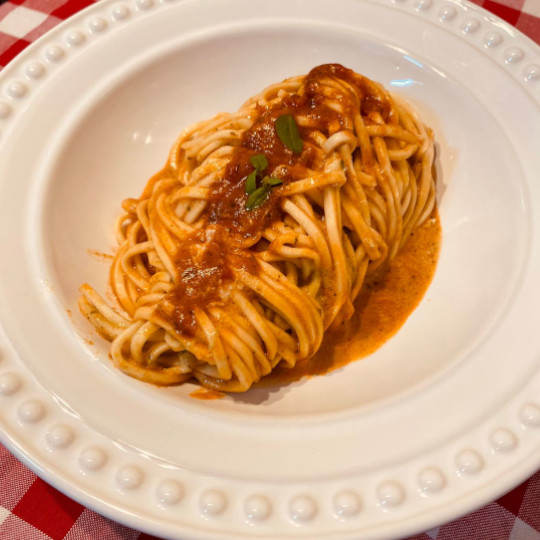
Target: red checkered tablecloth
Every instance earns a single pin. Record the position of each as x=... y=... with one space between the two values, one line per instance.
x=30 y=509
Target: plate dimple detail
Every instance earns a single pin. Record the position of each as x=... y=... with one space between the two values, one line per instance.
x=129 y=477
x=447 y=14
x=98 y=25
x=75 y=38
x=145 y=4
x=258 y=507
x=60 y=436
x=170 y=492
x=302 y=508
x=390 y=494
x=513 y=55
x=120 y=12
x=492 y=40
x=31 y=411
x=431 y=480
x=532 y=73
x=17 y=89
x=35 y=70
x=347 y=504
x=470 y=26
x=503 y=440
x=10 y=383
x=530 y=415
x=424 y=5
x=92 y=459
x=54 y=53
x=213 y=502
x=469 y=462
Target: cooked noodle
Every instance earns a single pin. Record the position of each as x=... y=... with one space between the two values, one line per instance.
x=209 y=289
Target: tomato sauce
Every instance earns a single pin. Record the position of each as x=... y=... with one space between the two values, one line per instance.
x=204 y=265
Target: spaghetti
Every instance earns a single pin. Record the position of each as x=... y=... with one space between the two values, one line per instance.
x=257 y=235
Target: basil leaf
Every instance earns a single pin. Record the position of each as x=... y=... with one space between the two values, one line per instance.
x=287 y=131
x=259 y=161
x=272 y=181
x=257 y=198
x=251 y=182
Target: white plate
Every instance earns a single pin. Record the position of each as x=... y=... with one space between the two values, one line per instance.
x=443 y=418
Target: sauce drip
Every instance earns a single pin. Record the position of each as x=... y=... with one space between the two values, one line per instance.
x=206 y=394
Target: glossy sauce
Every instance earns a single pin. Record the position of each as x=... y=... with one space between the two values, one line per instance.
x=385 y=302
x=203 y=265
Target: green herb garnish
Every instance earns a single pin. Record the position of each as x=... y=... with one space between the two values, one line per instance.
x=257 y=198
x=259 y=161
x=271 y=181
x=287 y=131
x=251 y=182
x=257 y=195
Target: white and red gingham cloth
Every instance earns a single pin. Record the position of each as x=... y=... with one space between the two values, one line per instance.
x=30 y=509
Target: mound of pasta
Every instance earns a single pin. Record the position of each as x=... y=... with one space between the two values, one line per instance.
x=258 y=234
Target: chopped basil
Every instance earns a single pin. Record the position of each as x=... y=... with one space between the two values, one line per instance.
x=251 y=182
x=257 y=198
x=258 y=195
x=272 y=181
x=259 y=161
x=287 y=130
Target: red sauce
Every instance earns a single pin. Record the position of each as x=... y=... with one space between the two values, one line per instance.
x=227 y=206
x=204 y=265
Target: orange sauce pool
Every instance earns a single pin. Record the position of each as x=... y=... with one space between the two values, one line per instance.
x=385 y=302
x=206 y=394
